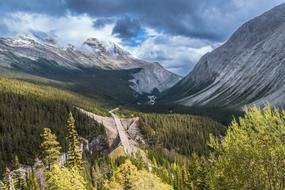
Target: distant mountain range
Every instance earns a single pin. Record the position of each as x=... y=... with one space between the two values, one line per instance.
x=96 y=67
x=248 y=69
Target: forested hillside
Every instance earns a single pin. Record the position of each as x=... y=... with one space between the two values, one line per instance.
x=25 y=109
x=181 y=152
x=250 y=156
x=184 y=134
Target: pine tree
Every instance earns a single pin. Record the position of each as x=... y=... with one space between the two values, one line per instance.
x=50 y=147
x=32 y=182
x=16 y=163
x=185 y=177
x=74 y=153
x=179 y=178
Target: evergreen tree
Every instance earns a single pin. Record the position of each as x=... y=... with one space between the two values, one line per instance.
x=16 y=163
x=50 y=147
x=74 y=153
x=185 y=177
x=197 y=172
x=21 y=128
x=184 y=134
x=32 y=182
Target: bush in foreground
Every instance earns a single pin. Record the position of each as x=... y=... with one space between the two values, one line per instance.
x=252 y=154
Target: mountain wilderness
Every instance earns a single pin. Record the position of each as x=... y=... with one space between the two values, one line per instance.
x=98 y=67
x=95 y=96
x=246 y=70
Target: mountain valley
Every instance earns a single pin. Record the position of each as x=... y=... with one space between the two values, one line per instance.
x=94 y=116
x=101 y=68
x=248 y=69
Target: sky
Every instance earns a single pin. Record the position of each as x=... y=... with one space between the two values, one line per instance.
x=175 y=33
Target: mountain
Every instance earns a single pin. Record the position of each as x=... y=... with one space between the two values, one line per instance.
x=248 y=69
x=94 y=67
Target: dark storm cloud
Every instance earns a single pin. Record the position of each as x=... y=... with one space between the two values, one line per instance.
x=179 y=17
x=127 y=27
x=101 y=22
x=49 y=7
x=184 y=28
x=130 y=31
x=204 y=19
x=213 y=20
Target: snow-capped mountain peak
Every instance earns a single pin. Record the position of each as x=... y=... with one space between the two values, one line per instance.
x=93 y=54
x=105 y=47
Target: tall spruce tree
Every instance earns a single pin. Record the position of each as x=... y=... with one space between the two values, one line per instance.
x=50 y=147
x=32 y=182
x=16 y=162
x=74 y=153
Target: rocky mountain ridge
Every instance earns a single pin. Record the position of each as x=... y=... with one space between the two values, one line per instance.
x=248 y=69
x=92 y=54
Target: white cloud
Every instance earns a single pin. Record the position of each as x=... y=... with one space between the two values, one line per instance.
x=176 y=53
x=69 y=29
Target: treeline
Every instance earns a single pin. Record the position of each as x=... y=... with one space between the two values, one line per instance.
x=250 y=156
x=45 y=92
x=25 y=109
x=184 y=134
x=61 y=176
x=185 y=153
x=77 y=172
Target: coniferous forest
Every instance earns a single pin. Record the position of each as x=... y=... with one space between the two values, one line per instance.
x=182 y=151
x=185 y=134
x=26 y=109
x=142 y=95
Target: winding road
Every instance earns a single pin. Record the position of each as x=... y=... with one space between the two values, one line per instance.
x=114 y=127
x=122 y=133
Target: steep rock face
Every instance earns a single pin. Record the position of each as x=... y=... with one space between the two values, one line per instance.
x=248 y=69
x=92 y=54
